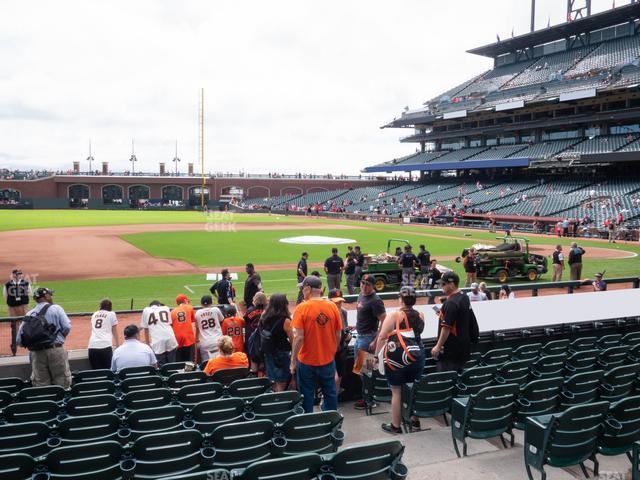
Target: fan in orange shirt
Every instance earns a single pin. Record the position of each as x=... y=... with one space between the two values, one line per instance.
x=182 y=322
x=233 y=327
x=227 y=358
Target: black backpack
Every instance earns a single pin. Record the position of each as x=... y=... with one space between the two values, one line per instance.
x=267 y=342
x=37 y=332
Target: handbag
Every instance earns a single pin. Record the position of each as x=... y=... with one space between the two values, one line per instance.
x=402 y=348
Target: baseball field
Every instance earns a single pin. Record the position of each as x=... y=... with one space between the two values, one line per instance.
x=133 y=257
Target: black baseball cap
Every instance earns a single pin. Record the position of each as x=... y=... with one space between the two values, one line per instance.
x=312 y=281
x=206 y=300
x=370 y=279
x=336 y=295
x=16 y=271
x=449 y=277
x=41 y=292
x=407 y=292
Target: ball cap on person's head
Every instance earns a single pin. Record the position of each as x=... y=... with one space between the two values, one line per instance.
x=369 y=279
x=312 y=281
x=407 y=291
x=474 y=285
x=336 y=295
x=16 y=271
x=598 y=274
x=449 y=277
x=41 y=292
x=206 y=300
x=131 y=331
x=182 y=298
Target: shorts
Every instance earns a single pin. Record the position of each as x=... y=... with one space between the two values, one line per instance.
x=277 y=365
x=409 y=374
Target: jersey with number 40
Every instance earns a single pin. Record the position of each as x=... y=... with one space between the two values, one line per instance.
x=158 y=320
x=209 y=322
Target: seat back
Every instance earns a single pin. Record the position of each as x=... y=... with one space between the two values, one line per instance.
x=16 y=466
x=528 y=351
x=146 y=382
x=432 y=394
x=137 y=399
x=613 y=356
x=181 y=379
x=249 y=388
x=301 y=467
x=227 y=375
x=88 y=429
x=619 y=382
x=213 y=413
x=491 y=410
x=574 y=433
x=88 y=461
x=170 y=368
x=622 y=427
x=91 y=405
x=370 y=461
x=581 y=388
x=548 y=366
x=154 y=420
x=515 y=371
x=555 y=347
x=632 y=338
x=54 y=393
x=608 y=341
x=538 y=397
x=497 y=356
x=28 y=437
x=93 y=387
x=191 y=395
x=40 y=411
x=93 y=376
x=12 y=384
x=5 y=399
x=582 y=343
x=238 y=445
x=162 y=455
x=582 y=361
x=380 y=390
x=133 y=372
x=312 y=433
x=277 y=406
x=475 y=379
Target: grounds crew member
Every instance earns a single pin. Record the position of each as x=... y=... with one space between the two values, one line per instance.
x=558 y=264
x=424 y=258
x=470 y=267
x=223 y=289
x=16 y=293
x=575 y=261
x=252 y=285
x=408 y=261
x=359 y=263
x=350 y=271
x=333 y=267
x=301 y=272
x=45 y=341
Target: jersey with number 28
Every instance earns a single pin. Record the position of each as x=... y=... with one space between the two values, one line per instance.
x=209 y=322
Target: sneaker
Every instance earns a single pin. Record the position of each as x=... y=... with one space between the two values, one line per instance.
x=361 y=405
x=391 y=428
x=415 y=424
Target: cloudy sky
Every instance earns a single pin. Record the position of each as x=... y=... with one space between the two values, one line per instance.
x=290 y=85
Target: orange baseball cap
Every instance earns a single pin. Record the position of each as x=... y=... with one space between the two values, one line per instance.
x=182 y=298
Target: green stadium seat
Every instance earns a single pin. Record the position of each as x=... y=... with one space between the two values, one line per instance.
x=317 y=432
x=5 y=399
x=277 y=406
x=238 y=445
x=582 y=343
x=621 y=427
x=631 y=339
x=16 y=466
x=608 y=341
x=89 y=461
x=581 y=388
x=249 y=388
x=564 y=439
x=171 y=454
x=138 y=399
x=475 y=379
x=555 y=347
x=153 y=420
x=300 y=467
x=39 y=411
x=133 y=372
x=548 y=366
x=12 y=384
x=214 y=474
x=497 y=356
x=28 y=437
x=91 y=405
x=211 y=414
x=191 y=395
x=487 y=414
x=428 y=397
x=468 y=364
x=93 y=376
x=538 y=397
x=634 y=353
x=582 y=361
x=527 y=351
x=619 y=382
x=178 y=380
x=88 y=429
x=613 y=357
x=93 y=387
x=374 y=389
x=54 y=393
x=147 y=382
x=169 y=369
x=228 y=375
x=377 y=460
x=515 y=371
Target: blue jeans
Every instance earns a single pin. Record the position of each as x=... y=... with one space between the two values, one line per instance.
x=324 y=376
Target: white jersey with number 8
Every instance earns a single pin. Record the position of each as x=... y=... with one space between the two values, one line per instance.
x=158 y=320
x=102 y=322
x=208 y=321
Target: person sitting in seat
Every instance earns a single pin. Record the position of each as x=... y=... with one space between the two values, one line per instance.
x=228 y=358
x=132 y=353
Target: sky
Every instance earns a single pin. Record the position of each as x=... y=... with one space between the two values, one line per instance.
x=289 y=85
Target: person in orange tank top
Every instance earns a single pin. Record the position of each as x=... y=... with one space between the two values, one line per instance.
x=228 y=358
x=182 y=322
x=233 y=327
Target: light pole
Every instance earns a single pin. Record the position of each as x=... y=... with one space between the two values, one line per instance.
x=90 y=159
x=133 y=159
x=176 y=159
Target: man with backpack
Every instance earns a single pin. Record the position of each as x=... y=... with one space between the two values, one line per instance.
x=43 y=332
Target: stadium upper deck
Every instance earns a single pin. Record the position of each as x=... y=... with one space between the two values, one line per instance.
x=567 y=95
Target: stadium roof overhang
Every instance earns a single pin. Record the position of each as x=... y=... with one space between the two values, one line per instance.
x=596 y=21
x=439 y=166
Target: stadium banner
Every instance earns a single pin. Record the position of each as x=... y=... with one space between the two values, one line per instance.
x=578 y=94
x=406 y=219
x=456 y=114
x=509 y=106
